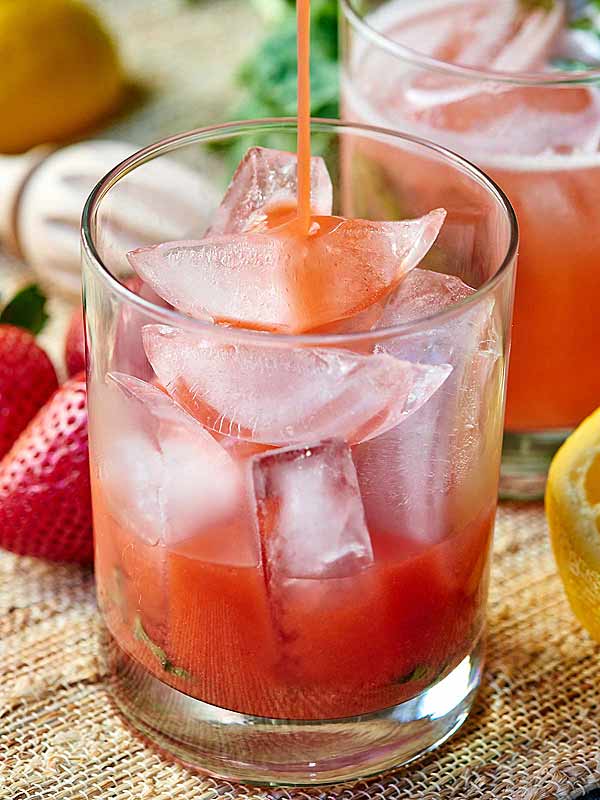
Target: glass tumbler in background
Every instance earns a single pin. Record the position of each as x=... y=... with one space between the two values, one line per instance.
x=286 y=601
x=536 y=134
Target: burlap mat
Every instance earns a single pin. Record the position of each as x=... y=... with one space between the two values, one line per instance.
x=534 y=732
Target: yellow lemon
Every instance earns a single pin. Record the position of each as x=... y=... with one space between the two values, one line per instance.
x=60 y=72
x=573 y=511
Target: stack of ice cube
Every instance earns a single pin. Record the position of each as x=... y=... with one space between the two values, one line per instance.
x=343 y=437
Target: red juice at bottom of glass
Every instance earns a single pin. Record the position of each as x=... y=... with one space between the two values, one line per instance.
x=331 y=648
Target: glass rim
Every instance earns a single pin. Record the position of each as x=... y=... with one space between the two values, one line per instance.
x=175 y=318
x=559 y=78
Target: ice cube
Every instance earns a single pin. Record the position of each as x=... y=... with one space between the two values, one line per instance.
x=135 y=284
x=278 y=394
x=487 y=117
x=128 y=354
x=284 y=281
x=352 y=264
x=266 y=179
x=428 y=476
x=163 y=476
x=243 y=279
x=358 y=323
x=532 y=43
x=422 y=294
x=498 y=37
x=517 y=120
x=310 y=514
x=577 y=44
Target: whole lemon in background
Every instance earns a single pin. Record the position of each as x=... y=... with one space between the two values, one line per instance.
x=573 y=511
x=59 y=74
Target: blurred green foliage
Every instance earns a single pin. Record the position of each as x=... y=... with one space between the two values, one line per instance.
x=533 y=5
x=589 y=21
x=269 y=76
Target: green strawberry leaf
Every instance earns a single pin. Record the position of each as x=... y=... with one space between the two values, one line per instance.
x=26 y=310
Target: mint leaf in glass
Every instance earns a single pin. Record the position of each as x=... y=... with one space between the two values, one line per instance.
x=160 y=655
x=419 y=673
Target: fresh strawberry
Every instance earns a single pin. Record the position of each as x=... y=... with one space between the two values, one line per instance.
x=27 y=377
x=75 y=344
x=45 y=506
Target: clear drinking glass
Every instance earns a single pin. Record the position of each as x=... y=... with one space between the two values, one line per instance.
x=537 y=135
x=362 y=648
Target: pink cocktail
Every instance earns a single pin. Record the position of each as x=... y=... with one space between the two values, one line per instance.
x=488 y=81
x=295 y=440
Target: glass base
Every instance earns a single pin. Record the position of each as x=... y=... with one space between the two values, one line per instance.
x=261 y=750
x=526 y=459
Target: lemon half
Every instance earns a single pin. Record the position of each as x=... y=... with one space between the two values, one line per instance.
x=573 y=511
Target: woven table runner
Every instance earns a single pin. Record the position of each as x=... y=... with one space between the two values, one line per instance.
x=533 y=734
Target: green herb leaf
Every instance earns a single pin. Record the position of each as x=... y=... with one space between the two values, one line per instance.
x=27 y=309
x=419 y=673
x=588 y=21
x=571 y=65
x=160 y=655
x=582 y=24
x=441 y=672
x=534 y=5
x=270 y=76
